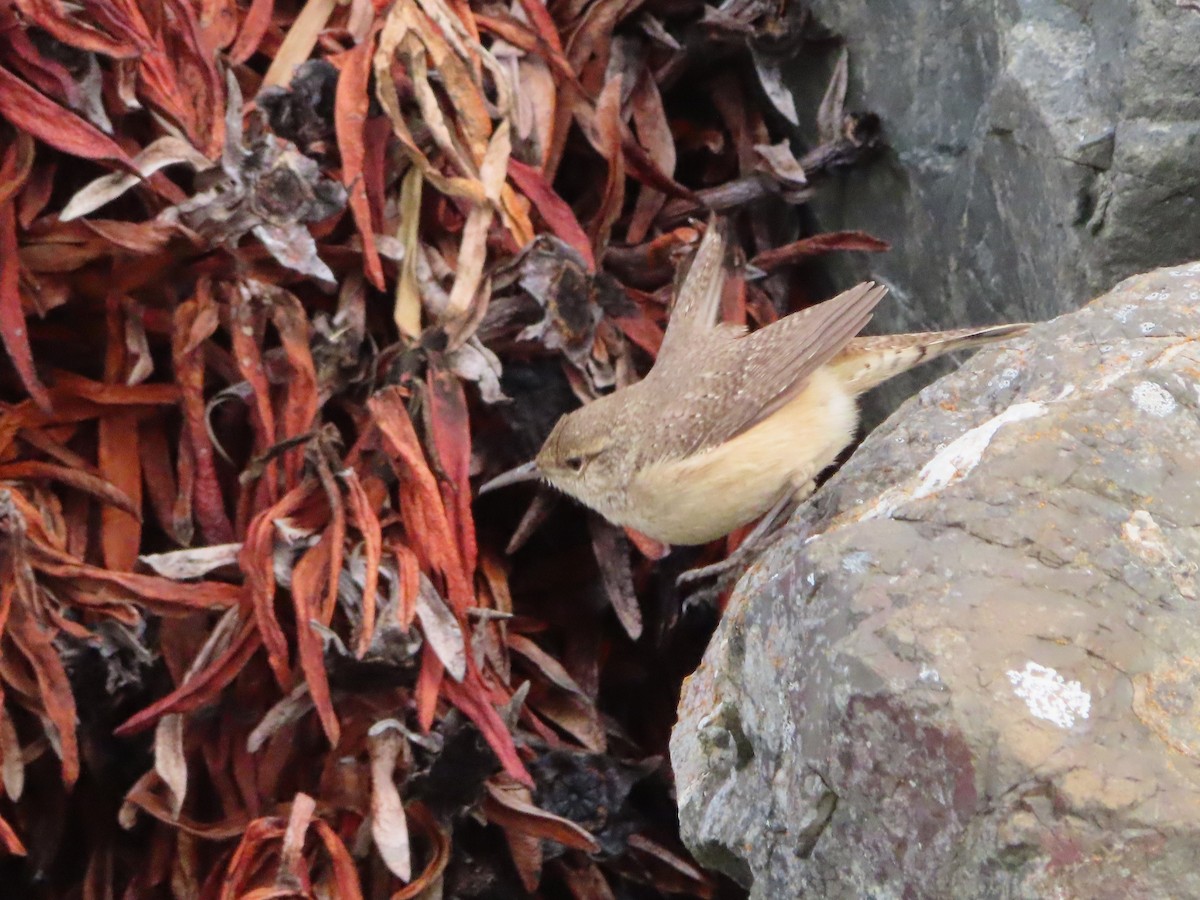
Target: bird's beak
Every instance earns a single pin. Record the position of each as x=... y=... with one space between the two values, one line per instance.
x=526 y=472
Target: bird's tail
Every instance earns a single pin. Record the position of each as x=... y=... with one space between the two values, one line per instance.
x=868 y=361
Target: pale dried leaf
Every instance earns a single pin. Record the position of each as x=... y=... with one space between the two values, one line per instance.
x=169 y=760
x=291 y=852
x=290 y=709
x=475 y=362
x=832 y=108
x=12 y=762
x=782 y=163
x=770 y=72
x=547 y=664
x=442 y=629
x=137 y=346
x=184 y=565
x=166 y=151
x=389 y=826
x=473 y=250
x=293 y=246
x=407 y=310
x=299 y=42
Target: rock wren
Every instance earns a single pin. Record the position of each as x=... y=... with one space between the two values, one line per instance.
x=727 y=426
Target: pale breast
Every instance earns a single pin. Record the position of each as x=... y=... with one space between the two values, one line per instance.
x=698 y=499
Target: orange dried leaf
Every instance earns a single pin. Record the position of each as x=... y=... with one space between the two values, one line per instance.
x=36 y=643
x=350 y=114
x=203 y=687
x=308 y=582
x=196 y=321
x=436 y=540
x=254 y=26
x=9 y=840
x=471 y=697
x=345 y=872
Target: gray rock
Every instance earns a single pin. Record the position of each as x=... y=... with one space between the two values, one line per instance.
x=1041 y=150
x=981 y=677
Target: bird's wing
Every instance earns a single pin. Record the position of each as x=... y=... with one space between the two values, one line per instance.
x=698 y=301
x=726 y=385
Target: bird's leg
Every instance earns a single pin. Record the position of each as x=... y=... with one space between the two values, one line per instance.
x=762 y=536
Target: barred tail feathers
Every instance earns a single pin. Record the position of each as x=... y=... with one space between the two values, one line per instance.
x=869 y=361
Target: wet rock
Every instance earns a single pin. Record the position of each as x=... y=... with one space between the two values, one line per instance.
x=979 y=677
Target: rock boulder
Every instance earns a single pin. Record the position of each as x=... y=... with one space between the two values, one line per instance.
x=979 y=676
x=1038 y=150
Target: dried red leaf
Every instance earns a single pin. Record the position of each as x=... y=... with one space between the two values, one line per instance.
x=654 y=132
x=429 y=683
x=450 y=430
x=13 y=331
x=119 y=461
x=32 y=112
x=350 y=114
x=16 y=166
x=254 y=27
x=76 y=478
x=203 y=687
x=471 y=697
x=162 y=595
x=434 y=537
x=552 y=208
x=608 y=129
x=257 y=561
x=50 y=15
x=301 y=402
x=345 y=872
x=769 y=260
x=512 y=806
x=195 y=322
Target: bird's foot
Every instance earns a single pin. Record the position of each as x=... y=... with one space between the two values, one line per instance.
x=729 y=570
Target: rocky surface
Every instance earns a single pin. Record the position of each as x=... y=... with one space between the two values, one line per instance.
x=1041 y=150
x=981 y=676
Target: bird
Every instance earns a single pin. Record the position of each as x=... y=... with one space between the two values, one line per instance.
x=729 y=426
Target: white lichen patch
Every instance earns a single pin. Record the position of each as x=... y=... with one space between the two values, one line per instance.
x=929 y=675
x=1124 y=314
x=953 y=461
x=1153 y=399
x=1049 y=696
x=960 y=456
x=857 y=562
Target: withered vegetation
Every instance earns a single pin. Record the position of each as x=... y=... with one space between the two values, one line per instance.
x=278 y=282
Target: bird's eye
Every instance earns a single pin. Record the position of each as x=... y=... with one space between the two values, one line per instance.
x=575 y=463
